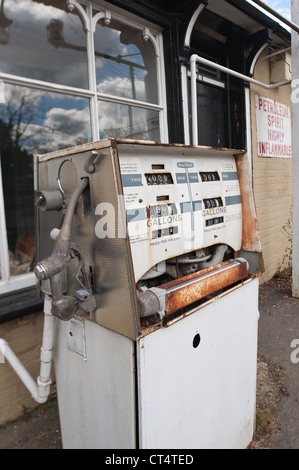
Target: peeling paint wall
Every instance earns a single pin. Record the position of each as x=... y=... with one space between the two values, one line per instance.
x=272 y=181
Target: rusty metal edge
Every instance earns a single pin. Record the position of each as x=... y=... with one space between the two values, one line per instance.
x=110 y=141
x=178 y=298
x=173 y=321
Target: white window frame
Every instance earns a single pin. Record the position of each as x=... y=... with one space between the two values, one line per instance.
x=105 y=11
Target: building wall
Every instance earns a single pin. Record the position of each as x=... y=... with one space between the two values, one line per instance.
x=272 y=183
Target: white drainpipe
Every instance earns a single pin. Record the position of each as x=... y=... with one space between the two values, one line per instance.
x=39 y=390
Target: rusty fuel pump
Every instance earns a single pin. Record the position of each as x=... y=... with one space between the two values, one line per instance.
x=149 y=257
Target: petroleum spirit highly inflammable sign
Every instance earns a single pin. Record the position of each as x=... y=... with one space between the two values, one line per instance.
x=274 y=129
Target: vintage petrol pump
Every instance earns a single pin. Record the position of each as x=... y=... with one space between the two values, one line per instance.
x=152 y=274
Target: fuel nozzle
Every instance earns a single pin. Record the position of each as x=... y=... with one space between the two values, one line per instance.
x=51 y=268
x=56 y=263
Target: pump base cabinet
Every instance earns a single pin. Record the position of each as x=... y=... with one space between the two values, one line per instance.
x=190 y=385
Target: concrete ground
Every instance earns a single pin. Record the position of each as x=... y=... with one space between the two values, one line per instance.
x=277 y=382
x=279 y=360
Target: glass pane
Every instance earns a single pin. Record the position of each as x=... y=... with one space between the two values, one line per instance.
x=211 y=115
x=31 y=122
x=121 y=121
x=125 y=63
x=43 y=42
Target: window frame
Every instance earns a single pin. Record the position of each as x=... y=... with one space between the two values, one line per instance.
x=90 y=13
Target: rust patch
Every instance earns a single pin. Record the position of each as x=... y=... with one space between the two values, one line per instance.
x=189 y=291
x=250 y=231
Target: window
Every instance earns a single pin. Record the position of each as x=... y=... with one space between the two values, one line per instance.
x=126 y=66
x=120 y=120
x=45 y=42
x=70 y=72
x=125 y=62
x=220 y=97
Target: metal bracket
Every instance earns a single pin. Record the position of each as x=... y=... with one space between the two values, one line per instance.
x=89 y=166
x=76 y=339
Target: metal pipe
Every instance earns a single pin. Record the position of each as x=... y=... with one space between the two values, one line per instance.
x=18 y=367
x=180 y=293
x=193 y=61
x=65 y=231
x=183 y=294
x=281 y=51
x=39 y=390
x=209 y=63
x=217 y=257
x=196 y=58
x=277 y=15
